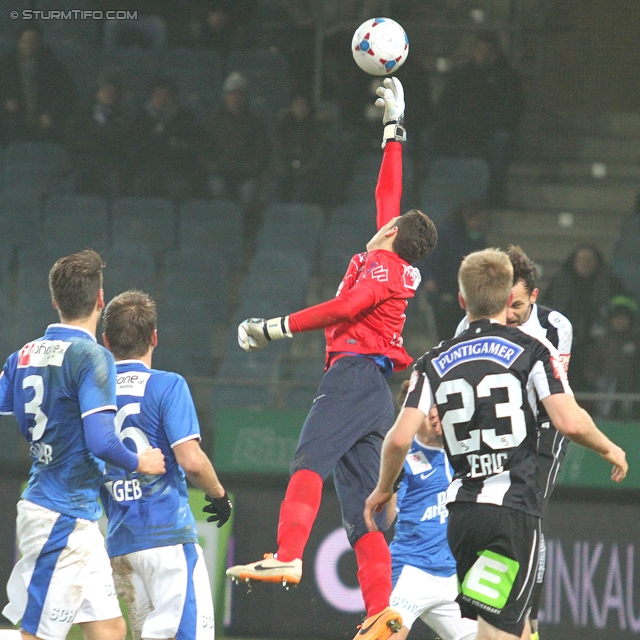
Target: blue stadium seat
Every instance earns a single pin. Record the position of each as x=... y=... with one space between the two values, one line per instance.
x=263 y=71
x=363 y=215
x=362 y=189
x=20 y=216
x=185 y=329
x=212 y=227
x=129 y=267
x=438 y=210
x=240 y=395
x=75 y=222
x=45 y=152
x=193 y=275
x=146 y=221
x=198 y=73
x=296 y=236
x=340 y=243
x=135 y=68
x=456 y=180
x=39 y=166
x=294 y=213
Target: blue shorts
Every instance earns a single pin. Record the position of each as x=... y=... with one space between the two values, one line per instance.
x=343 y=433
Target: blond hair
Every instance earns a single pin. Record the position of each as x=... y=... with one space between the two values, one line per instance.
x=485 y=279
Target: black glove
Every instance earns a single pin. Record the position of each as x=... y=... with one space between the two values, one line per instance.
x=219 y=507
x=398 y=482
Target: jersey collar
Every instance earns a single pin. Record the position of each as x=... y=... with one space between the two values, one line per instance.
x=132 y=361
x=426 y=446
x=71 y=327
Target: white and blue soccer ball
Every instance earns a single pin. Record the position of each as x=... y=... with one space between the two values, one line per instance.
x=380 y=46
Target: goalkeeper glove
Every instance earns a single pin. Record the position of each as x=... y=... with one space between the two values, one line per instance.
x=219 y=507
x=392 y=99
x=256 y=333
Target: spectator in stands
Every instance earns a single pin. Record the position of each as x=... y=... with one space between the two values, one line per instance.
x=581 y=290
x=99 y=139
x=213 y=27
x=479 y=113
x=168 y=148
x=460 y=234
x=36 y=91
x=148 y=30
x=241 y=149
x=614 y=360
x=301 y=152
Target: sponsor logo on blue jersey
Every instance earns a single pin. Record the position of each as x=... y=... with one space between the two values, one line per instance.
x=494 y=348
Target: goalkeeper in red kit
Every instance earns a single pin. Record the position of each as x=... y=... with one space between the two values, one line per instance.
x=353 y=409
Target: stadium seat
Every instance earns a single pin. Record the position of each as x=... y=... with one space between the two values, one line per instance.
x=340 y=242
x=226 y=394
x=456 y=180
x=263 y=71
x=362 y=189
x=36 y=176
x=363 y=215
x=129 y=267
x=45 y=152
x=214 y=227
x=20 y=216
x=145 y=221
x=75 y=222
x=185 y=329
x=297 y=236
x=134 y=68
x=190 y=274
x=294 y=213
x=198 y=74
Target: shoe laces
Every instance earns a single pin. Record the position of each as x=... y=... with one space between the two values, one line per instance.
x=266 y=556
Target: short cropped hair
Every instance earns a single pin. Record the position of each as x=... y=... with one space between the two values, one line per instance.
x=129 y=322
x=485 y=279
x=524 y=269
x=74 y=283
x=417 y=236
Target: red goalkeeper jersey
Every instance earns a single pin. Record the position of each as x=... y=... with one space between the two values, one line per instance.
x=368 y=313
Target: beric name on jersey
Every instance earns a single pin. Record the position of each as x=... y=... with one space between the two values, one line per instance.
x=486 y=383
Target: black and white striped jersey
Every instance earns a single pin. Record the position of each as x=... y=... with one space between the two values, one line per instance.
x=552 y=445
x=486 y=383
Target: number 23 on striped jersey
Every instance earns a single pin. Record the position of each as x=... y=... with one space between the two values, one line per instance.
x=511 y=409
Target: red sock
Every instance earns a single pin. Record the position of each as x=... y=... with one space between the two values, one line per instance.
x=374 y=571
x=298 y=512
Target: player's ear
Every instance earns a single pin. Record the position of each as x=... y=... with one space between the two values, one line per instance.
x=461 y=302
x=100 y=300
x=534 y=295
x=105 y=341
x=154 y=338
x=391 y=232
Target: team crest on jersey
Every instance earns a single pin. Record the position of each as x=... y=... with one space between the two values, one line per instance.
x=43 y=353
x=411 y=276
x=498 y=350
x=418 y=462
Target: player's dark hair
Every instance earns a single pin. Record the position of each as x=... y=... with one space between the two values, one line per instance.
x=74 y=283
x=524 y=269
x=417 y=236
x=129 y=322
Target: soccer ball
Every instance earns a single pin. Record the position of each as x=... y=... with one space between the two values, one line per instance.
x=380 y=46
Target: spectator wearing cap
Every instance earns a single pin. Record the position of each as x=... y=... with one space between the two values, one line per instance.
x=36 y=91
x=479 y=112
x=241 y=149
x=168 y=154
x=615 y=358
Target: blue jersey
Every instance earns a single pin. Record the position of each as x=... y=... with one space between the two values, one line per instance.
x=421 y=528
x=50 y=385
x=155 y=409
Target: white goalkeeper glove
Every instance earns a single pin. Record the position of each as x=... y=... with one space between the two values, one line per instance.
x=256 y=333
x=392 y=99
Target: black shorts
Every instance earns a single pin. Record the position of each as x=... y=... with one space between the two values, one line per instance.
x=496 y=552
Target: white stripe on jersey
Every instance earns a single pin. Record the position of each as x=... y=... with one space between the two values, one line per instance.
x=494 y=488
x=107 y=407
x=534 y=549
x=452 y=491
x=426 y=395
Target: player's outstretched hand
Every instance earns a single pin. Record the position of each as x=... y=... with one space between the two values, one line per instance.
x=151 y=461
x=256 y=333
x=219 y=507
x=618 y=458
x=392 y=99
x=374 y=504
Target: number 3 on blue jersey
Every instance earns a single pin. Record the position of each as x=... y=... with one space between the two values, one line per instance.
x=138 y=436
x=511 y=409
x=33 y=406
